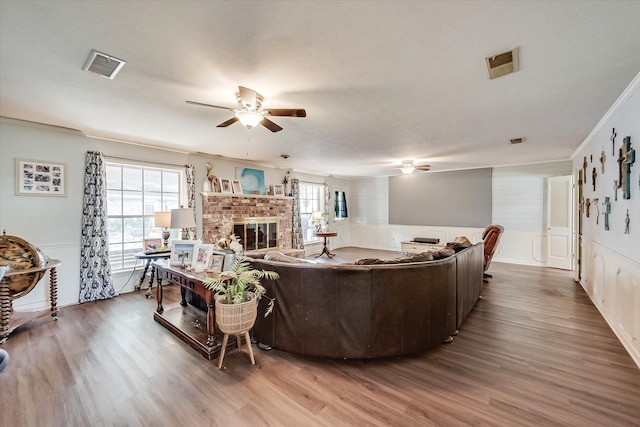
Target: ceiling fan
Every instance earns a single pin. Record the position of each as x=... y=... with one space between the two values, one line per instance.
x=408 y=167
x=250 y=112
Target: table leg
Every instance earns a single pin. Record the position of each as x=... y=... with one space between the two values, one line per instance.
x=146 y=268
x=53 y=292
x=325 y=250
x=153 y=272
x=160 y=308
x=183 y=294
x=211 y=339
x=5 y=310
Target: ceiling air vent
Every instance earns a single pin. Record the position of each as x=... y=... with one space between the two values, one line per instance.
x=517 y=140
x=502 y=64
x=103 y=64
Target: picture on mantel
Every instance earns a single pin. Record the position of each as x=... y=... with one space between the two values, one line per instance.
x=252 y=180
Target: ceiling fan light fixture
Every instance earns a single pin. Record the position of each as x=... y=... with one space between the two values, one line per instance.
x=249 y=119
x=407 y=167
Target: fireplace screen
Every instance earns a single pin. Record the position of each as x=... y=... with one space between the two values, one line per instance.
x=256 y=233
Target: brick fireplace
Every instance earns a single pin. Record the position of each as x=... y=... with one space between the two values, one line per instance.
x=220 y=211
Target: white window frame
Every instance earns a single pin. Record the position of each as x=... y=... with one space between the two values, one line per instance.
x=311 y=199
x=128 y=243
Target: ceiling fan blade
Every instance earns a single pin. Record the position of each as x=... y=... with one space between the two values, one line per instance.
x=285 y=112
x=209 y=105
x=231 y=121
x=270 y=125
x=248 y=97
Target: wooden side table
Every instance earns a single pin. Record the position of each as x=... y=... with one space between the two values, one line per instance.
x=325 y=249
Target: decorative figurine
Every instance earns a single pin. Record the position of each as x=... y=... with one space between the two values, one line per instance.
x=607 y=211
x=613 y=141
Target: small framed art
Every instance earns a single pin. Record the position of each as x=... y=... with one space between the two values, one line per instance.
x=182 y=252
x=225 y=185
x=237 y=186
x=215 y=263
x=201 y=257
x=41 y=178
x=278 y=190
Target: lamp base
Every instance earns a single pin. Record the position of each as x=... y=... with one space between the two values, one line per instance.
x=165 y=235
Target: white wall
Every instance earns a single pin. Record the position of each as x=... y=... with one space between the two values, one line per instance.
x=54 y=223
x=610 y=258
x=518 y=204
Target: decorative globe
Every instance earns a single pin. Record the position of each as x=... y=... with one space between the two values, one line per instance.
x=18 y=254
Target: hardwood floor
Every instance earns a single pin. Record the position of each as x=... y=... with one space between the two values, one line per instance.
x=535 y=351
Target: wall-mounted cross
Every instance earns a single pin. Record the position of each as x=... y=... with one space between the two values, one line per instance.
x=613 y=141
x=628 y=159
x=594 y=174
x=616 y=186
x=607 y=211
x=627 y=222
x=587 y=204
x=584 y=168
x=603 y=158
x=597 y=205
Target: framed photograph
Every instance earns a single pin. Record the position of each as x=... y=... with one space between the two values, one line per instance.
x=237 y=187
x=182 y=252
x=215 y=263
x=151 y=245
x=41 y=178
x=201 y=255
x=225 y=185
x=278 y=190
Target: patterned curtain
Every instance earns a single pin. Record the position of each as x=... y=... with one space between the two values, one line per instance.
x=95 y=270
x=297 y=238
x=189 y=172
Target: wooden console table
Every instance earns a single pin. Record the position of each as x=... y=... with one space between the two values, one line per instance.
x=192 y=325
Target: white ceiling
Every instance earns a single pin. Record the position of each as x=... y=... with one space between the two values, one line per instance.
x=381 y=81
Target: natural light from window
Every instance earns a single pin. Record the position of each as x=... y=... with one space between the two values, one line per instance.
x=311 y=200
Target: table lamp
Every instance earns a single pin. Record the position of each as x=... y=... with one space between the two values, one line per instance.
x=163 y=219
x=183 y=218
x=317 y=220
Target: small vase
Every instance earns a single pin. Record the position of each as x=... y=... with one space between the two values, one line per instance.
x=206 y=186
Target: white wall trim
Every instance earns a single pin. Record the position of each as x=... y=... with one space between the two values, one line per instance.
x=622 y=99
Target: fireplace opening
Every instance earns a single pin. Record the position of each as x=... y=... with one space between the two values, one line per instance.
x=257 y=233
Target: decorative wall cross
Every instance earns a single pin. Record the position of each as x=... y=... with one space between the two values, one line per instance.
x=613 y=141
x=603 y=158
x=615 y=189
x=595 y=203
x=584 y=168
x=607 y=211
x=628 y=159
x=626 y=223
x=587 y=204
x=594 y=174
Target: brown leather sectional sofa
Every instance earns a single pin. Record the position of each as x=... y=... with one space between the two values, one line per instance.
x=368 y=311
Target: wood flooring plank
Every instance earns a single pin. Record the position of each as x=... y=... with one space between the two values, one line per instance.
x=534 y=351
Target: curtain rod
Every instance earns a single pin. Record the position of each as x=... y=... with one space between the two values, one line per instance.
x=143 y=161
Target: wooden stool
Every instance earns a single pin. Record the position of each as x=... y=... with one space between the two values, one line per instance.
x=247 y=338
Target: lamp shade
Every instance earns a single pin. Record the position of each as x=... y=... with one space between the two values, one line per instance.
x=162 y=219
x=316 y=215
x=182 y=218
x=249 y=118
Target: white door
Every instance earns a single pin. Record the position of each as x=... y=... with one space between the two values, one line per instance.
x=559 y=214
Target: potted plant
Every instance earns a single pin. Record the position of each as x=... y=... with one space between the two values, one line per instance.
x=236 y=294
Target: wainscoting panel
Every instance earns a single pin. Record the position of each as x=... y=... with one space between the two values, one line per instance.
x=612 y=281
x=68 y=279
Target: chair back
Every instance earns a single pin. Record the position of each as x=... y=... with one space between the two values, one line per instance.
x=491 y=237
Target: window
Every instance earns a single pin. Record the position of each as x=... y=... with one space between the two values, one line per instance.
x=340 y=205
x=311 y=200
x=134 y=193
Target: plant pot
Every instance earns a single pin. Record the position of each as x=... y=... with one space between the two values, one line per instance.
x=235 y=319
